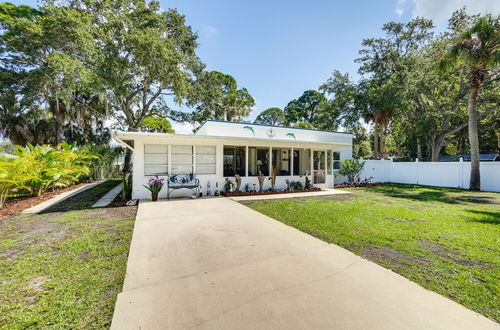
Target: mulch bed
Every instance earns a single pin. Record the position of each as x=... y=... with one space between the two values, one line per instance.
x=118 y=202
x=16 y=205
x=256 y=193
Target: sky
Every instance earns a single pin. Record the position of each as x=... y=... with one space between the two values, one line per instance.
x=279 y=49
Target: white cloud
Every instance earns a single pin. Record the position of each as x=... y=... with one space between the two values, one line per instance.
x=208 y=31
x=181 y=128
x=440 y=10
x=400 y=7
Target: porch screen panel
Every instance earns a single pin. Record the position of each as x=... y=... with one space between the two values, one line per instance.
x=258 y=160
x=234 y=161
x=155 y=159
x=281 y=161
x=182 y=159
x=301 y=161
x=205 y=159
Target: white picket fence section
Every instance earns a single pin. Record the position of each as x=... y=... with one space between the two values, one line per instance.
x=440 y=174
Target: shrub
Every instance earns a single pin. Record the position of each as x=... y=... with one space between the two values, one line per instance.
x=351 y=168
x=126 y=186
x=40 y=168
x=296 y=185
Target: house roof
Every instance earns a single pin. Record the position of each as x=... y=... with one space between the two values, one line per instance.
x=122 y=136
x=482 y=158
x=275 y=126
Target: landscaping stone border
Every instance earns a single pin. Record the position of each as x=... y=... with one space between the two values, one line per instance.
x=59 y=198
x=109 y=197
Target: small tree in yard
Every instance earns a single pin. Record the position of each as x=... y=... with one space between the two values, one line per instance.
x=351 y=168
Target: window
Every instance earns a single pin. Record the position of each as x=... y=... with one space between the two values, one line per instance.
x=258 y=161
x=281 y=160
x=234 y=161
x=182 y=159
x=155 y=159
x=205 y=160
x=301 y=161
x=335 y=160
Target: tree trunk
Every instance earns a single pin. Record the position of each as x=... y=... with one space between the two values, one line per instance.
x=419 y=149
x=383 y=153
x=475 y=178
x=375 y=141
x=436 y=150
x=57 y=123
x=127 y=162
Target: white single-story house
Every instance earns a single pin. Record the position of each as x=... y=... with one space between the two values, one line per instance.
x=220 y=150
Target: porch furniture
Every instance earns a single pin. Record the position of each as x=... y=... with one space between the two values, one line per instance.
x=181 y=181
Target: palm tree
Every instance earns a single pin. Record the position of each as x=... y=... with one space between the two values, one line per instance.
x=479 y=49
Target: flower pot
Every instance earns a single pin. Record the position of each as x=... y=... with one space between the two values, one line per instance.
x=154 y=197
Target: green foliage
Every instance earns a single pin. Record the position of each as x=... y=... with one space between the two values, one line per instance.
x=303 y=124
x=296 y=185
x=361 y=146
x=351 y=168
x=126 y=186
x=271 y=116
x=311 y=108
x=157 y=124
x=478 y=49
x=217 y=96
x=228 y=185
x=40 y=168
x=415 y=109
x=72 y=65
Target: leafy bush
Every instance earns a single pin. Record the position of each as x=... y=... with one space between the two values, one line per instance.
x=40 y=168
x=126 y=186
x=296 y=185
x=351 y=168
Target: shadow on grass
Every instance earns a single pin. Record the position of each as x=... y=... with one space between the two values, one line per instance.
x=433 y=194
x=489 y=217
x=83 y=200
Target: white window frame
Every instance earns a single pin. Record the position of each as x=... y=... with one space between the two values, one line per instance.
x=209 y=163
x=158 y=155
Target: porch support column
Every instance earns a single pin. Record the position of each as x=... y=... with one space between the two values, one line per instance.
x=270 y=165
x=311 y=160
x=291 y=161
x=246 y=161
x=169 y=159
x=193 y=159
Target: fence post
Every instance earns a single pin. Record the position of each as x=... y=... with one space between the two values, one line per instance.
x=416 y=165
x=391 y=168
x=461 y=172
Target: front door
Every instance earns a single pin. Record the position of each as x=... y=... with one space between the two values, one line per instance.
x=319 y=168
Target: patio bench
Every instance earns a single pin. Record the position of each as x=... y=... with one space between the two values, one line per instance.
x=183 y=181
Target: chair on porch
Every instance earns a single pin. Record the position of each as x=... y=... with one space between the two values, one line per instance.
x=183 y=181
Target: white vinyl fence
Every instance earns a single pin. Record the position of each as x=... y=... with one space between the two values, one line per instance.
x=441 y=174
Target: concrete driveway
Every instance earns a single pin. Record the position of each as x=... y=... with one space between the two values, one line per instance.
x=216 y=264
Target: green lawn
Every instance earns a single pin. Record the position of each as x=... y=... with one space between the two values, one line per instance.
x=446 y=240
x=65 y=267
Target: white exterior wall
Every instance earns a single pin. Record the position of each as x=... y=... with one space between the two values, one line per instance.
x=232 y=129
x=439 y=174
x=139 y=179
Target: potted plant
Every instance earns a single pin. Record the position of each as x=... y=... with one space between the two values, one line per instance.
x=154 y=185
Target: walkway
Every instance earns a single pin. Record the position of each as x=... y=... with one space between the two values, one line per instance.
x=324 y=192
x=216 y=264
